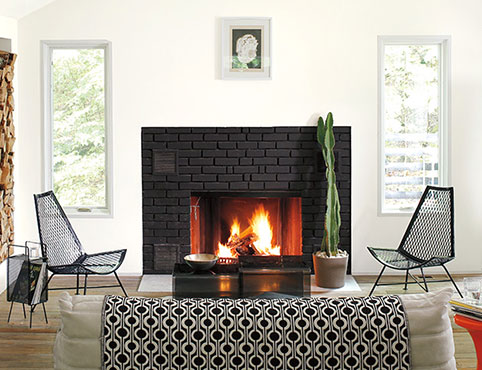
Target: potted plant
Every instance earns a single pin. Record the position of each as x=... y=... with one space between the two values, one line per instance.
x=330 y=262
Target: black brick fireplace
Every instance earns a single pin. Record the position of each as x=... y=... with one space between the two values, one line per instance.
x=178 y=163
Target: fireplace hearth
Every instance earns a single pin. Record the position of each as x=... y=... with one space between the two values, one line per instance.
x=250 y=276
x=204 y=189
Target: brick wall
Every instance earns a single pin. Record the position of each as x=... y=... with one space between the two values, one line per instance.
x=178 y=161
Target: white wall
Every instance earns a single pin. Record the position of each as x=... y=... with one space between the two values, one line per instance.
x=166 y=73
x=8 y=30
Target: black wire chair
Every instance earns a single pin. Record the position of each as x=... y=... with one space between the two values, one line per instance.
x=64 y=252
x=427 y=242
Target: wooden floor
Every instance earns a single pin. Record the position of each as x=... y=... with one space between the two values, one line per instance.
x=24 y=348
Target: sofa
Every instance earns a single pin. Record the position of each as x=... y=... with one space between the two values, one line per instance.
x=78 y=343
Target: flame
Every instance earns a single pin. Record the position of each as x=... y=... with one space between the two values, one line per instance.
x=235 y=228
x=264 y=232
x=225 y=252
x=261 y=228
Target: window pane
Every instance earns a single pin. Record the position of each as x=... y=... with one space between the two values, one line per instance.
x=79 y=176
x=411 y=123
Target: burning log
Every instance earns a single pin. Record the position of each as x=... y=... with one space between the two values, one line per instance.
x=242 y=246
x=256 y=239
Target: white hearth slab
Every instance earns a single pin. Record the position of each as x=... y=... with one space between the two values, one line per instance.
x=350 y=286
x=163 y=284
x=156 y=283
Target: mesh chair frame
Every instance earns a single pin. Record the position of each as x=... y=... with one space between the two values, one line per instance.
x=63 y=249
x=413 y=253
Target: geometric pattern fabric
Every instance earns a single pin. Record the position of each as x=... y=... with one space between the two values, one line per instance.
x=220 y=334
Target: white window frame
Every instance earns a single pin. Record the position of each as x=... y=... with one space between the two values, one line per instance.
x=444 y=126
x=47 y=47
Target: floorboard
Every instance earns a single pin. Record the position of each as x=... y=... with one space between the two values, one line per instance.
x=24 y=348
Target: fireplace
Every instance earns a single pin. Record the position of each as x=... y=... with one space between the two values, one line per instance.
x=246 y=224
x=203 y=187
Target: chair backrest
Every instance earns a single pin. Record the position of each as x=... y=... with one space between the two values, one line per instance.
x=430 y=232
x=60 y=244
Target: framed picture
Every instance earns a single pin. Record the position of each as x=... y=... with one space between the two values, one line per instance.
x=246 y=48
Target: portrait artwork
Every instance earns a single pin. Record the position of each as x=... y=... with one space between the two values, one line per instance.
x=246 y=48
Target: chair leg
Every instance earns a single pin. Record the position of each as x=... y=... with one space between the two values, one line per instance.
x=10 y=311
x=424 y=280
x=406 y=280
x=45 y=313
x=48 y=281
x=85 y=285
x=452 y=280
x=77 y=290
x=120 y=284
x=24 y=313
x=31 y=311
x=376 y=282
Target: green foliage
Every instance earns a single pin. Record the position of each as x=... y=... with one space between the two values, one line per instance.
x=79 y=128
x=255 y=63
x=238 y=65
x=411 y=122
x=331 y=233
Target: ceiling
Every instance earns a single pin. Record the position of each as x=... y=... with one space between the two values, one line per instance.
x=20 y=8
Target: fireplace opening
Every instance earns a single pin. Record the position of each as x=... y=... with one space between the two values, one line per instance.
x=238 y=225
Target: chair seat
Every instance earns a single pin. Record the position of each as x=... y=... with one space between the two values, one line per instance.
x=100 y=263
x=394 y=259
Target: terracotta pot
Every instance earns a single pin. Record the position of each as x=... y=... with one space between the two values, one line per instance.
x=330 y=272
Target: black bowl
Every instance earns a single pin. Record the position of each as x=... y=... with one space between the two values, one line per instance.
x=201 y=261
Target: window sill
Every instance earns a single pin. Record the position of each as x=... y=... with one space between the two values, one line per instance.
x=93 y=213
x=396 y=213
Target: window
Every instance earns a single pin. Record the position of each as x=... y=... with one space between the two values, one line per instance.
x=413 y=118
x=77 y=124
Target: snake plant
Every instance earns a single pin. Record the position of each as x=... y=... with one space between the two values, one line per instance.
x=331 y=233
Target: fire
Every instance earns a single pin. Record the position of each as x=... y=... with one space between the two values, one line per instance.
x=263 y=230
x=256 y=239
x=235 y=227
x=224 y=251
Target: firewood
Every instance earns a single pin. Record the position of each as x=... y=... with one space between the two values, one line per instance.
x=10 y=103
x=246 y=232
x=257 y=251
x=3 y=93
x=243 y=250
x=9 y=76
x=7 y=140
x=9 y=146
x=242 y=246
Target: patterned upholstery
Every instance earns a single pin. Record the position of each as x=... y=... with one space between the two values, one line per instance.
x=243 y=334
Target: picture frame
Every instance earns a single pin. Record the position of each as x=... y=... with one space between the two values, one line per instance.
x=246 y=48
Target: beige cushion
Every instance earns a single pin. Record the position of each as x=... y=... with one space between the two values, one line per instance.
x=78 y=342
x=431 y=338
x=77 y=345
